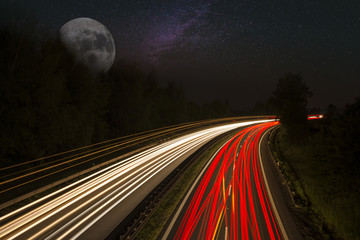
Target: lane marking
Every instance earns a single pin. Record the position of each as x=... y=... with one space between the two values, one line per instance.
x=223 y=184
x=218 y=224
x=282 y=228
x=173 y=220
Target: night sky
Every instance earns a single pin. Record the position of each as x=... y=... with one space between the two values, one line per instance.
x=234 y=50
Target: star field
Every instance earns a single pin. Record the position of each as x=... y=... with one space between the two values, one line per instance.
x=230 y=49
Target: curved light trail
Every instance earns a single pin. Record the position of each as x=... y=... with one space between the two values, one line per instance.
x=23 y=178
x=231 y=200
x=92 y=207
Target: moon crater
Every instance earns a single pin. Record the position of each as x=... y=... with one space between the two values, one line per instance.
x=90 y=42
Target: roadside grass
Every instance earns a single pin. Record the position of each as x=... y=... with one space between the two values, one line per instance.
x=321 y=185
x=158 y=220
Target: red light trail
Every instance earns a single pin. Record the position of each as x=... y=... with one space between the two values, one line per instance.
x=93 y=206
x=231 y=201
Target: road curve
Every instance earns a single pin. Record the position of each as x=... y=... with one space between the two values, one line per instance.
x=93 y=206
x=232 y=197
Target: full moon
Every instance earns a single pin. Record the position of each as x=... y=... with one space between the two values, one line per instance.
x=90 y=43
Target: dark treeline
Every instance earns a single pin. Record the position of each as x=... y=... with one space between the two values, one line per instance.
x=323 y=155
x=138 y=103
x=49 y=104
x=327 y=169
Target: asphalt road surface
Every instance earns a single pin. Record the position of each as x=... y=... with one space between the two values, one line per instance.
x=236 y=196
x=93 y=206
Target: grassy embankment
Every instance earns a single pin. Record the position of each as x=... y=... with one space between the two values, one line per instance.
x=323 y=184
x=157 y=221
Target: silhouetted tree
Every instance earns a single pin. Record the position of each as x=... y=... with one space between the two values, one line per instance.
x=263 y=108
x=48 y=103
x=314 y=110
x=290 y=100
x=216 y=109
x=331 y=111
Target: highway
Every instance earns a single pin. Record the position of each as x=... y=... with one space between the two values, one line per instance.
x=92 y=207
x=236 y=196
x=19 y=181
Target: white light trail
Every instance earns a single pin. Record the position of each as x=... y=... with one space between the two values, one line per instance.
x=82 y=204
